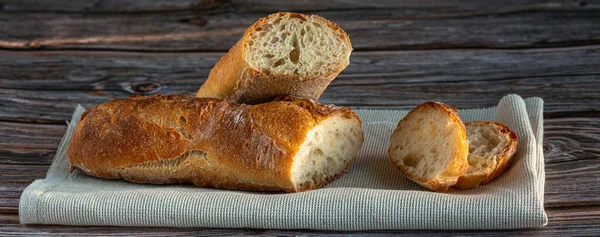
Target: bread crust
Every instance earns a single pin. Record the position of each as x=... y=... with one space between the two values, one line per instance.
x=504 y=160
x=208 y=142
x=233 y=79
x=457 y=168
x=508 y=152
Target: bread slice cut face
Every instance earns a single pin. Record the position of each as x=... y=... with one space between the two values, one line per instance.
x=430 y=146
x=282 y=54
x=297 y=45
x=327 y=151
x=491 y=149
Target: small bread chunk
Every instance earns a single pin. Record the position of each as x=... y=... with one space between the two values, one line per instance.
x=430 y=146
x=282 y=54
x=491 y=149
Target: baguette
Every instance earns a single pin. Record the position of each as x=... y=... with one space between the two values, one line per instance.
x=491 y=149
x=282 y=54
x=289 y=144
x=430 y=146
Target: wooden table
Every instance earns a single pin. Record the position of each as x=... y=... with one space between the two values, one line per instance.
x=54 y=55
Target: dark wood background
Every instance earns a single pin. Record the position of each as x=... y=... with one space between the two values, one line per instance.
x=54 y=55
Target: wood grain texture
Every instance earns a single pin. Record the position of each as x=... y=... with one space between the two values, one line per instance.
x=387 y=79
x=25 y=144
x=468 y=54
x=131 y=6
x=448 y=26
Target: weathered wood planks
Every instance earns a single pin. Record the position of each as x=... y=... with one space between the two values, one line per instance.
x=55 y=54
x=184 y=26
x=45 y=86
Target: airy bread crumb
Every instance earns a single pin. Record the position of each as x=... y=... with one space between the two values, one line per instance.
x=430 y=146
x=282 y=54
x=491 y=148
x=297 y=45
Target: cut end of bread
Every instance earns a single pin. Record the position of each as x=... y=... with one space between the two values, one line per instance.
x=327 y=151
x=281 y=54
x=297 y=45
x=491 y=148
x=429 y=145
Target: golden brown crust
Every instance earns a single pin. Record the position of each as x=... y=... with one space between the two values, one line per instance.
x=223 y=144
x=504 y=161
x=470 y=182
x=334 y=26
x=459 y=164
x=507 y=153
x=255 y=87
x=224 y=76
x=233 y=79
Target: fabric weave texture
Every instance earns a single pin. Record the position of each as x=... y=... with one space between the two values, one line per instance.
x=372 y=195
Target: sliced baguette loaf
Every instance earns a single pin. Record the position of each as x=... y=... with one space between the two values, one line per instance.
x=430 y=146
x=282 y=54
x=491 y=149
x=290 y=144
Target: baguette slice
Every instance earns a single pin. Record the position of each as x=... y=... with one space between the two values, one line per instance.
x=282 y=54
x=430 y=146
x=290 y=144
x=491 y=149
